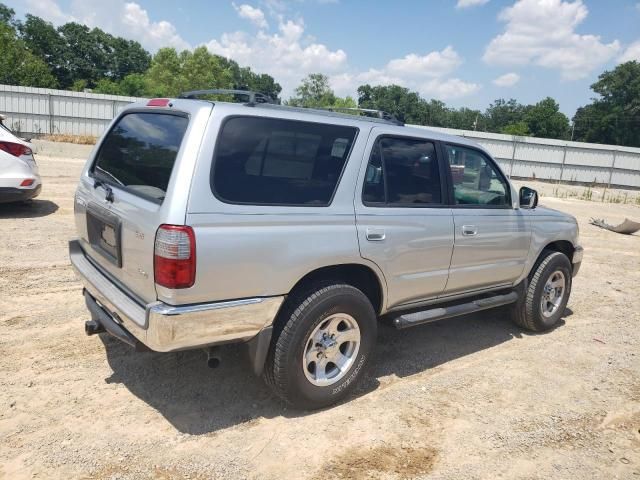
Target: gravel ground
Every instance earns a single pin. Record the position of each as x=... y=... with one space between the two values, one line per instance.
x=467 y=398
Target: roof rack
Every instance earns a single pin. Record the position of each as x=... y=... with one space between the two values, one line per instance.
x=261 y=99
x=254 y=97
x=368 y=111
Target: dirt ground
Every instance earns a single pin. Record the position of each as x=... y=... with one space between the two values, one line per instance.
x=473 y=397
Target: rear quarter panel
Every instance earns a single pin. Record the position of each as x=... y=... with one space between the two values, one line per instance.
x=246 y=251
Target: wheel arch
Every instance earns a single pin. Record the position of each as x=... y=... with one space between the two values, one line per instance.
x=561 y=246
x=364 y=277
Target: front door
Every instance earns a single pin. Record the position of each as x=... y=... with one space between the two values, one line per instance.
x=403 y=223
x=491 y=237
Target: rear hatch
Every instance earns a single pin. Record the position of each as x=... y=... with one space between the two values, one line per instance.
x=120 y=202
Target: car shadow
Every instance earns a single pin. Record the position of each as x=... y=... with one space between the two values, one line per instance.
x=29 y=209
x=198 y=400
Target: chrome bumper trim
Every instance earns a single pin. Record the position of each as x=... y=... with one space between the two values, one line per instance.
x=169 y=328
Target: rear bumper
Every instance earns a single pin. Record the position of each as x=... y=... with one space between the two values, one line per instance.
x=166 y=328
x=11 y=194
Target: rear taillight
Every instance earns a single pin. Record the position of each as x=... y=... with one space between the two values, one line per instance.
x=174 y=261
x=15 y=149
x=27 y=182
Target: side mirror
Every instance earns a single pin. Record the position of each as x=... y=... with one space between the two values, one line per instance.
x=528 y=198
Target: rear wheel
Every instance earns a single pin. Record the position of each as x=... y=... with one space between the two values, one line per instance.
x=322 y=344
x=547 y=294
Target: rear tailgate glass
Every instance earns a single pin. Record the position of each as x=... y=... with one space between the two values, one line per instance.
x=139 y=152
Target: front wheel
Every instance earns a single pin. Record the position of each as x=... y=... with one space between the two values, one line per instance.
x=547 y=294
x=325 y=340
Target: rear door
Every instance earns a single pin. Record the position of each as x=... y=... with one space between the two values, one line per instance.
x=121 y=198
x=403 y=222
x=491 y=237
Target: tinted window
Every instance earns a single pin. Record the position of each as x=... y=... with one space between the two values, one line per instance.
x=139 y=152
x=402 y=171
x=279 y=162
x=475 y=180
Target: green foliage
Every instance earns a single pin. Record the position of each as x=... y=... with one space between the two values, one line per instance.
x=314 y=92
x=79 y=86
x=520 y=129
x=545 y=120
x=613 y=117
x=18 y=66
x=502 y=113
x=172 y=73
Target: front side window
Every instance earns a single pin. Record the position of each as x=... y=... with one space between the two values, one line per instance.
x=139 y=152
x=266 y=161
x=402 y=172
x=476 y=181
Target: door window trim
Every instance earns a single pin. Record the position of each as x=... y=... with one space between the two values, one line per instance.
x=494 y=165
x=444 y=194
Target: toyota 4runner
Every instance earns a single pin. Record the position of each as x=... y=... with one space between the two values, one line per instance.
x=202 y=223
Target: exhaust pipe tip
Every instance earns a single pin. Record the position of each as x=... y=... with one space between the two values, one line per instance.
x=91 y=327
x=213 y=357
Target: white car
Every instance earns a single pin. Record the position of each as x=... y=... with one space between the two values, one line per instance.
x=19 y=177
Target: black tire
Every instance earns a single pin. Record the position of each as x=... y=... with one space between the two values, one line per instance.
x=303 y=312
x=527 y=312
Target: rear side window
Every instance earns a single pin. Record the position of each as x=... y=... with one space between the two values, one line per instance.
x=265 y=161
x=139 y=152
x=402 y=172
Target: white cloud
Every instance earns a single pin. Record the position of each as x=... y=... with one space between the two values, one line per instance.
x=470 y=3
x=507 y=80
x=434 y=64
x=253 y=14
x=445 y=89
x=632 y=52
x=284 y=54
x=49 y=10
x=425 y=73
x=152 y=34
x=542 y=32
x=127 y=19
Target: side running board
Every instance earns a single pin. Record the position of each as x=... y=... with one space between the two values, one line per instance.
x=418 y=318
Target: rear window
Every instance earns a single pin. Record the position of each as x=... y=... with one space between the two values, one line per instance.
x=139 y=151
x=264 y=161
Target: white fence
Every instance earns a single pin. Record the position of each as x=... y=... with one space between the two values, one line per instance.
x=41 y=111
x=547 y=159
x=38 y=111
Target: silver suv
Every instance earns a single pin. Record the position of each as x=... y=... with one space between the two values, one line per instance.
x=202 y=223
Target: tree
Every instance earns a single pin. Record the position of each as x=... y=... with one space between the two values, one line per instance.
x=18 y=66
x=398 y=101
x=243 y=78
x=502 y=113
x=545 y=120
x=314 y=92
x=520 y=129
x=172 y=73
x=613 y=117
x=44 y=41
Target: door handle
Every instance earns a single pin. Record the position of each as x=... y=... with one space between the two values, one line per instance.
x=376 y=234
x=469 y=230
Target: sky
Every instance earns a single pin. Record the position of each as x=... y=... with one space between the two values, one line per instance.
x=464 y=52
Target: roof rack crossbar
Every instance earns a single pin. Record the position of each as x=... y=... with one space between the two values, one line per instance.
x=369 y=111
x=254 y=97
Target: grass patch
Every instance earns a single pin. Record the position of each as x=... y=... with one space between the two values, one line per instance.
x=77 y=139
